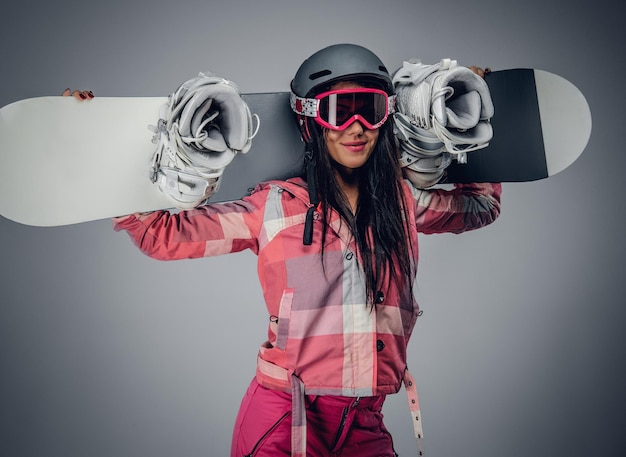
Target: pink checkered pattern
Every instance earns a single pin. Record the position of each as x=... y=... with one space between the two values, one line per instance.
x=320 y=328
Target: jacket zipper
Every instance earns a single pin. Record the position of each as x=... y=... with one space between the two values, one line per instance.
x=270 y=430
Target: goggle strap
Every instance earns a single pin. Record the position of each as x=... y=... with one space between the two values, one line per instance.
x=304 y=106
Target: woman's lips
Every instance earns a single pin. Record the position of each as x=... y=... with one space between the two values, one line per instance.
x=356 y=146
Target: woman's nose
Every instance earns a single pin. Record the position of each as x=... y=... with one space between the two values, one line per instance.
x=356 y=128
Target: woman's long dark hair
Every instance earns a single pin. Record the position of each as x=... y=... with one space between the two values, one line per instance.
x=381 y=225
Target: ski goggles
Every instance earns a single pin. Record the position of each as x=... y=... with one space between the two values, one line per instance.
x=338 y=109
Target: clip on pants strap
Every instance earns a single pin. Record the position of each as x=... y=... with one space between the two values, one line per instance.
x=414 y=406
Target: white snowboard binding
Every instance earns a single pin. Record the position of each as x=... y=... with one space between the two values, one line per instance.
x=443 y=112
x=204 y=124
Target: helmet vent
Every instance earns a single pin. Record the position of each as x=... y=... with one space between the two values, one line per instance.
x=320 y=74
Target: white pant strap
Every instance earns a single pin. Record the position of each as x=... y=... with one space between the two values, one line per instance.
x=414 y=406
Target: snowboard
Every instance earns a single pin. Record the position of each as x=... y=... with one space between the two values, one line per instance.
x=63 y=161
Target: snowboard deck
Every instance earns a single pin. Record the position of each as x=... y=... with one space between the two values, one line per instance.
x=64 y=162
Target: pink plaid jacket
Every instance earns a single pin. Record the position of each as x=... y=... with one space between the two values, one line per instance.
x=320 y=329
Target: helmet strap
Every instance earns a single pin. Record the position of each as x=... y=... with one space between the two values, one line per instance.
x=303 y=125
x=307 y=238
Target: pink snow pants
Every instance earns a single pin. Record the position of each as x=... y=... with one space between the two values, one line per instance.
x=336 y=426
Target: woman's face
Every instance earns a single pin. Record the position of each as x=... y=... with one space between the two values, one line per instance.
x=351 y=147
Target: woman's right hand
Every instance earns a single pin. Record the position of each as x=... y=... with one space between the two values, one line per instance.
x=78 y=94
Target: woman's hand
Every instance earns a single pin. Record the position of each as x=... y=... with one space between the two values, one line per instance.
x=480 y=71
x=78 y=94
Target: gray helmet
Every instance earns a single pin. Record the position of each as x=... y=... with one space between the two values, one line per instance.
x=340 y=62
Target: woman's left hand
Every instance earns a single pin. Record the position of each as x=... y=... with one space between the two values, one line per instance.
x=480 y=71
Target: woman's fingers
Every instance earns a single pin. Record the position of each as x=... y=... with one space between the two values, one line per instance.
x=480 y=71
x=78 y=94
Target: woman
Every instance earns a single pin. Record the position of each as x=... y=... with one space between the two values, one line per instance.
x=337 y=255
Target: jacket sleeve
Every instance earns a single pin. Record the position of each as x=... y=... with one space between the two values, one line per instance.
x=466 y=207
x=209 y=230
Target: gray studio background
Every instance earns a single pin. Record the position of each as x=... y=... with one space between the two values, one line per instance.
x=520 y=351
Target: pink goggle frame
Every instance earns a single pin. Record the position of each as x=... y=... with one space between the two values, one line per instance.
x=338 y=109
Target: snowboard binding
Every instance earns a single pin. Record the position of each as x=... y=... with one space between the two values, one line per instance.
x=203 y=125
x=443 y=112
